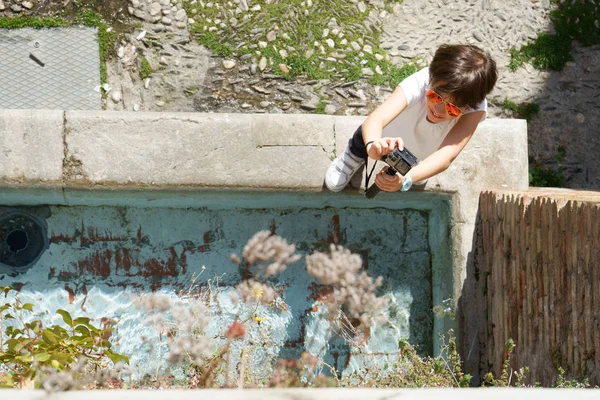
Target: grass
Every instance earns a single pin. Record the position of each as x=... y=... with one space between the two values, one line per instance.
x=298 y=34
x=145 y=69
x=573 y=20
x=522 y=110
x=32 y=22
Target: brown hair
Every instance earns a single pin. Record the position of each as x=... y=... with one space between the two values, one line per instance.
x=464 y=72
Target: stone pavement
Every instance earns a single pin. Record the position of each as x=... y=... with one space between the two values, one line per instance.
x=192 y=80
x=187 y=78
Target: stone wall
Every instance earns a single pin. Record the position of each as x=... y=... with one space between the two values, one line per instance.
x=537 y=265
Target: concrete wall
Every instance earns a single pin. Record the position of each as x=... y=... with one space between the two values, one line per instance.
x=75 y=158
x=538 y=266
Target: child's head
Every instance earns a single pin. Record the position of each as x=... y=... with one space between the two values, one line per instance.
x=465 y=73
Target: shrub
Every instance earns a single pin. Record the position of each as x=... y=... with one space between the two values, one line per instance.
x=28 y=350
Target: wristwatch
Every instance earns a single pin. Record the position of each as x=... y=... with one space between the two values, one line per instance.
x=407 y=184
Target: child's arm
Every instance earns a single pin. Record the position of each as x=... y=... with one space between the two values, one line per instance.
x=372 y=128
x=453 y=143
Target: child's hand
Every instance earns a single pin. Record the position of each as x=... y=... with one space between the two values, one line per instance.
x=388 y=183
x=383 y=146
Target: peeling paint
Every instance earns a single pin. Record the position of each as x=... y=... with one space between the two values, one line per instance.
x=99 y=256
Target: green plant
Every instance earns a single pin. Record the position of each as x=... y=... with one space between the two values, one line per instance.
x=315 y=40
x=546 y=52
x=411 y=370
x=320 y=107
x=572 y=20
x=540 y=176
x=577 y=20
x=506 y=372
x=106 y=36
x=523 y=110
x=145 y=69
x=26 y=348
x=32 y=22
x=563 y=383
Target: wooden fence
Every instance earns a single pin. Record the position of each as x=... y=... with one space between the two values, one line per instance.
x=538 y=260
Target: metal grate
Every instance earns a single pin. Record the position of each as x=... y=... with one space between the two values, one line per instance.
x=57 y=68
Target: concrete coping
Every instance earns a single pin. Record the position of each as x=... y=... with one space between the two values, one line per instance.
x=161 y=151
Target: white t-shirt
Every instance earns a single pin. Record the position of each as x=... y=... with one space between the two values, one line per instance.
x=420 y=136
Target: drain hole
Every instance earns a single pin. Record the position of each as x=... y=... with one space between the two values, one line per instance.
x=22 y=241
x=17 y=240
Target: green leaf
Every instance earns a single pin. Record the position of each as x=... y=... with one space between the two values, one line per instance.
x=27 y=306
x=55 y=364
x=83 y=330
x=82 y=321
x=50 y=337
x=42 y=357
x=65 y=316
x=6 y=381
x=116 y=357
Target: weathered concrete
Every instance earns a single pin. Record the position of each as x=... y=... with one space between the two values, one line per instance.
x=187 y=150
x=173 y=157
x=32 y=147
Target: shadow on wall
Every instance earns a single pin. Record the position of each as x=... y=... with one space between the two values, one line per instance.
x=562 y=140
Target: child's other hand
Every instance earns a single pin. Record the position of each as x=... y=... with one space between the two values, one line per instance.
x=383 y=146
x=388 y=183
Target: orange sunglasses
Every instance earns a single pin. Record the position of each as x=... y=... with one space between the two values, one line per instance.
x=451 y=109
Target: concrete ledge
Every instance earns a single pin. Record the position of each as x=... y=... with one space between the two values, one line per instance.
x=88 y=149
x=313 y=394
x=32 y=147
x=57 y=156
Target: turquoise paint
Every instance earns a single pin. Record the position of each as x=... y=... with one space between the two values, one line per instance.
x=104 y=248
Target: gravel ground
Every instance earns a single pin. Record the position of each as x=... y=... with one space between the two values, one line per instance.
x=186 y=77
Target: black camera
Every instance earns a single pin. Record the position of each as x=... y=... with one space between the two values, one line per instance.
x=399 y=161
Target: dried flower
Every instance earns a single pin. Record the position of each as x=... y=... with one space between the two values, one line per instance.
x=264 y=246
x=253 y=291
x=354 y=292
x=236 y=330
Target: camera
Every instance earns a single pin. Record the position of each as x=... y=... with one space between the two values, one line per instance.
x=399 y=161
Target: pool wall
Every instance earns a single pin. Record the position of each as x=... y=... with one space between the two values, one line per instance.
x=177 y=159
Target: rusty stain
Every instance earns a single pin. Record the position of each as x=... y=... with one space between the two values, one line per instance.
x=335 y=232
x=319 y=292
x=336 y=357
x=96 y=265
x=85 y=294
x=93 y=236
x=155 y=286
x=139 y=233
x=273 y=226
x=62 y=239
x=71 y=294
x=129 y=265
x=52 y=272
x=107 y=327
x=123 y=261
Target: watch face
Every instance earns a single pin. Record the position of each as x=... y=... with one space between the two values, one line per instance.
x=407 y=184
